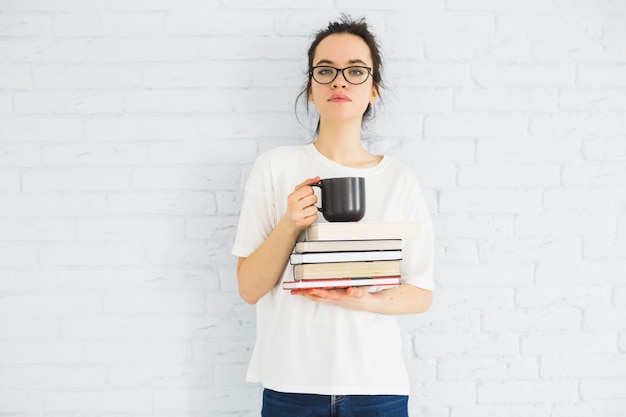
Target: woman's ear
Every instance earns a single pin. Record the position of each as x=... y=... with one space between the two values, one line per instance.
x=375 y=95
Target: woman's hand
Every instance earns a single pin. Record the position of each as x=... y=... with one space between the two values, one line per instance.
x=301 y=209
x=404 y=299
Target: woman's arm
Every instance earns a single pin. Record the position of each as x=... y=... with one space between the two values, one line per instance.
x=404 y=299
x=258 y=273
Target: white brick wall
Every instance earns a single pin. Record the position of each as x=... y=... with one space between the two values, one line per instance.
x=127 y=129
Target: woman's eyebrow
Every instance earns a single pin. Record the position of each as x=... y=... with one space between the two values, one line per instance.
x=351 y=62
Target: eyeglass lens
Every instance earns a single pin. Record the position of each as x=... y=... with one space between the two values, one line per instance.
x=353 y=75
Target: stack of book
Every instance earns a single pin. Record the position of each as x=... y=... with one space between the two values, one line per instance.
x=341 y=255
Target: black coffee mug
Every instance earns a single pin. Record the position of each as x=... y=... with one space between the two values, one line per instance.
x=343 y=199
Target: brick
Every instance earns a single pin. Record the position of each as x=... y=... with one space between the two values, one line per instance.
x=187 y=178
x=589 y=51
x=530 y=249
x=24 y=25
x=91 y=154
x=92 y=254
x=6 y=103
x=586 y=124
x=50 y=305
x=83 y=102
x=440 y=24
x=80 y=76
x=583 y=198
x=52 y=376
x=597 y=6
x=107 y=24
x=21 y=401
x=582 y=296
x=608 y=408
x=128 y=229
x=603 y=319
x=486 y=201
x=509 y=175
x=77 y=179
x=540 y=27
x=39 y=129
x=29 y=328
x=478 y=49
x=506 y=99
x=516 y=410
x=595 y=175
x=604 y=150
x=536 y=150
x=136 y=352
x=486 y=369
x=572 y=342
x=235 y=75
x=195 y=22
x=475 y=124
x=597 y=100
x=504 y=6
x=159 y=375
x=535 y=320
x=582 y=365
x=527 y=392
x=154 y=302
x=15 y=76
x=466 y=344
x=56 y=204
x=213 y=152
x=467 y=298
x=20 y=254
x=578 y=272
x=19 y=155
x=603 y=389
x=38 y=352
x=214 y=400
x=162 y=203
x=496 y=274
x=9 y=180
x=135 y=401
x=432 y=74
x=571 y=224
x=45 y=6
x=456 y=250
x=473 y=226
x=608 y=247
x=444 y=393
x=523 y=75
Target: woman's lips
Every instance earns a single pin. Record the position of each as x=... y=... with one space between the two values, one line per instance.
x=339 y=98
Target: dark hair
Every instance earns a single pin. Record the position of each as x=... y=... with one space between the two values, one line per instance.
x=354 y=27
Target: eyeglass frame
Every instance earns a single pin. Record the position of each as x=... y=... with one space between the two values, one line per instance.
x=343 y=74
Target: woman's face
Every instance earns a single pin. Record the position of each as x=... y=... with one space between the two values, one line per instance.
x=340 y=100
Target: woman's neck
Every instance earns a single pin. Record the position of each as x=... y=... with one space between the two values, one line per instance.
x=341 y=143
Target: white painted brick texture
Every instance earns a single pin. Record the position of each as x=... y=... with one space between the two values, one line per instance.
x=127 y=131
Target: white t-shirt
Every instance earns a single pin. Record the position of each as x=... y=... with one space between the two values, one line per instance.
x=318 y=348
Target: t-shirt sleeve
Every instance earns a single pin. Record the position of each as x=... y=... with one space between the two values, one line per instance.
x=416 y=267
x=258 y=215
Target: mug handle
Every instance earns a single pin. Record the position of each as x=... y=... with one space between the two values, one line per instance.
x=320 y=186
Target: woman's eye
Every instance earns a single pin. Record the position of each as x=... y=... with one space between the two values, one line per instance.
x=324 y=71
x=356 y=71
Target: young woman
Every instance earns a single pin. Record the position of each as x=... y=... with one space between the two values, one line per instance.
x=319 y=351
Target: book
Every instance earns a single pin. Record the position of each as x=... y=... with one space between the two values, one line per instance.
x=347 y=245
x=361 y=269
x=379 y=282
x=362 y=230
x=319 y=257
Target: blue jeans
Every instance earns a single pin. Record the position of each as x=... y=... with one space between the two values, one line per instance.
x=280 y=404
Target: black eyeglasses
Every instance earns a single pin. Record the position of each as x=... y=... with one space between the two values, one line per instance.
x=353 y=75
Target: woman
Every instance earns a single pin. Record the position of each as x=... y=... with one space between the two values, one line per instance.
x=322 y=350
